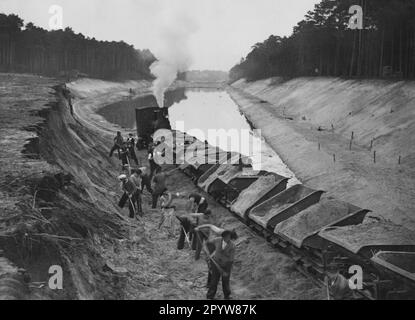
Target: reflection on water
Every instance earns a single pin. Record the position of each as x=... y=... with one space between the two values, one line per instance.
x=215 y=110
x=123 y=112
x=198 y=111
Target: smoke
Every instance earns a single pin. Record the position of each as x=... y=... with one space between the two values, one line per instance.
x=173 y=55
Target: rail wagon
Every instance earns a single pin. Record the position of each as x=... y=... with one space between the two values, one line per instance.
x=283 y=206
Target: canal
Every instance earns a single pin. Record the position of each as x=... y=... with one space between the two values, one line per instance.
x=199 y=112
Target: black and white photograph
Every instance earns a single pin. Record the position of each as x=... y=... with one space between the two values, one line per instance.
x=207 y=156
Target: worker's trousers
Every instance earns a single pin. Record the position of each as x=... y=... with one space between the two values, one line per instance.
x=153 y=168
x=200 y=237
x=146 y=183
x=215 y=276
x=114 y=148
x=134 y=203
x=186 y=226
x=133 y=155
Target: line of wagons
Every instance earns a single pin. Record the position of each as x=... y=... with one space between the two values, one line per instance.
x=322 y=234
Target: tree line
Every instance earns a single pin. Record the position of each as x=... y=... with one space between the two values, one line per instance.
x=322 y=44
x=30 y=49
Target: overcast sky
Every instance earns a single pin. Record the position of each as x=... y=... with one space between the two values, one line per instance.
x=222 y=31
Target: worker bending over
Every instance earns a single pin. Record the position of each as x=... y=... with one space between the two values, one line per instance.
x=159 y=186
x=130 y=194
x=197 y=203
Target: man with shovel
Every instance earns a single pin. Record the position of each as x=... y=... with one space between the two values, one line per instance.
x=220 y=263
x=130 y=195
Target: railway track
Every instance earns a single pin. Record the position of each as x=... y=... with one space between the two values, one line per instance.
x=323 y=235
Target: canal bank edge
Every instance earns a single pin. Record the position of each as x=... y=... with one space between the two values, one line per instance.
x=323 y=161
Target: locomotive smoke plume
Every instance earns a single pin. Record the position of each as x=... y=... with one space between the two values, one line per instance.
x=173 y=56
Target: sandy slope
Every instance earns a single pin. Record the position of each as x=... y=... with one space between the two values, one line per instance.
x=290 y=113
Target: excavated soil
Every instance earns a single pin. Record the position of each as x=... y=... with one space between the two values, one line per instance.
x=58 y=206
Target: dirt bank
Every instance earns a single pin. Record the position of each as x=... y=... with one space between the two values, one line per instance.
x=309 y=122
x=58 y=207
x=55 y=207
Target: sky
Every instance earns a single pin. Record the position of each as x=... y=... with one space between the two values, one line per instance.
x=216 y=33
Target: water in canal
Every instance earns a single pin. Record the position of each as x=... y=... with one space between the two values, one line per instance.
x=198 y=111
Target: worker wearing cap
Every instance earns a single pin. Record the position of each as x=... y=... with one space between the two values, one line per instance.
x=130 y=194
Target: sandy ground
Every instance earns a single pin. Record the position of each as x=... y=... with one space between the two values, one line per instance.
x=103 y=254
x=155 y=269
x=290 y=113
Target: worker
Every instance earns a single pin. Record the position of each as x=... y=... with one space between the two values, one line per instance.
x=188 y=223
x=159 y=186
x=137 y=180
x=197 y=203
x=123 y=152
x=131 y=148
x=145 y=180
x=152 y=161
x=185 y=231
x=201 y=235
x=167 y=213
x=221 y=264
x=209 y=248
x=130 y=195
x=118 y=143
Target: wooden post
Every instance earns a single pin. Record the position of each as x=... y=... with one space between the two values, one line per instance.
x=334 y=157
x=319 y=146
x=374 y=156
x=371 y=144
x=351 y=141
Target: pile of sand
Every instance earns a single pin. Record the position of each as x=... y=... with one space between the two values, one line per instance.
x=313 y=219
x=251 y=195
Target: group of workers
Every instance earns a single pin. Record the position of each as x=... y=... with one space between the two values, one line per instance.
x=197 y=227
x=201 y=234
x=125 y=148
